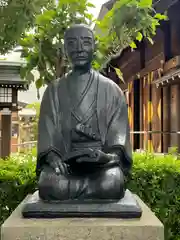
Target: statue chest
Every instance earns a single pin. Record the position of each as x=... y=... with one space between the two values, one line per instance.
x=84 y=120
x=83 y=100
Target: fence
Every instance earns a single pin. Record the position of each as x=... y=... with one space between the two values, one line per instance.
x=26 y=146
x=149 y=135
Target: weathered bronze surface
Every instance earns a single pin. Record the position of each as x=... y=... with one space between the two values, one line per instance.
x=84 y=151
x=84 y=147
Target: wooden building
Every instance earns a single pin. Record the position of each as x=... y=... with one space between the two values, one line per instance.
x=21 y=126
x=10 y=84
x=152 y=76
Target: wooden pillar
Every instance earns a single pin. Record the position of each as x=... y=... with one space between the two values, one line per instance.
x=157 y=119
x=141 y=114
x=5 y=133
x=143 y=64
x=166 y=118
x=175 y=116
x=131 y=110
x=149 y=110
x=145 y=112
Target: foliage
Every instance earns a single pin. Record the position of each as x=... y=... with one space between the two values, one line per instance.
x=15 y=17
x=128 y=22
x=44 y=48
x=173 y=150
x=35 y=106
x=17 y=179
x=155 y=179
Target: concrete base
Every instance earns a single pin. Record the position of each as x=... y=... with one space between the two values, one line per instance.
x=148 y=227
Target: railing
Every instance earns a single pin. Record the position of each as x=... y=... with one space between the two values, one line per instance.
x=147 y=134
x=152 y=132
x=26 y=146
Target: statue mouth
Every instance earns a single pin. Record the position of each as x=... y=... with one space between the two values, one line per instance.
x=80 y=56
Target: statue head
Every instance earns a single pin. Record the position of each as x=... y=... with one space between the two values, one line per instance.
x=79 y=45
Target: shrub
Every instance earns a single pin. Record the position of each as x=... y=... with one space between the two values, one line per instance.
x=155 y=179
x=17 y=179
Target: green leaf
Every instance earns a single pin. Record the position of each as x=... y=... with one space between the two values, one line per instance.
x=88 y=16
x=99 y=55
x=139 y=37
x=23 y=71
x=90 y=5
x=160 y=16
x=145 y=3
x=121 y=3
x=133 y=45
x=30 y=77
x=150 y=40
x=96 y=65
x=17 y=18
x=119 y=74
x=39 y=83
x=46 y=17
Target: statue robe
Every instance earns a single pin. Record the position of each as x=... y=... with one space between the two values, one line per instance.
x=112 y=119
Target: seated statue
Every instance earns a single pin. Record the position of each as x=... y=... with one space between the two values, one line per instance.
x=84 y=149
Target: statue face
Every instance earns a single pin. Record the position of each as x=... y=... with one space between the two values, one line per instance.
x=79 y=44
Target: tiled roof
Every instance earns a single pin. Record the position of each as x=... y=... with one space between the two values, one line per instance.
x=30 y=95
x=109 y=4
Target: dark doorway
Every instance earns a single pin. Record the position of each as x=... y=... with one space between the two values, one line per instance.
x=136 y=113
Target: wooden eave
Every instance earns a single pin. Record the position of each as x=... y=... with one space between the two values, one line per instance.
x=168 y=79
x=10 y=75
x=109 y=4
x=161 y=6
x=19 y=85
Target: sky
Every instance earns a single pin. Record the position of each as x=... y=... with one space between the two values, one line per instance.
x=98 y=4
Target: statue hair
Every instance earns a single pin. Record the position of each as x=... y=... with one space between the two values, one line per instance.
x=78 y=26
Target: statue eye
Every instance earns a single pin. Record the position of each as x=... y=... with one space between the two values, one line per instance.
x=71 y=43
x=87 y=42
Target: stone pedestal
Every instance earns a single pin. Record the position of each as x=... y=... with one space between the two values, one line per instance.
x=127 y=207
x=148 y=227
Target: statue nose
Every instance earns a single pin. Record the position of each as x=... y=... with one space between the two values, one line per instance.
x=80 y=45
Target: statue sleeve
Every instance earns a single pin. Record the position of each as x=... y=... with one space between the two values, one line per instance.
x=118 y=132
x=46 y=127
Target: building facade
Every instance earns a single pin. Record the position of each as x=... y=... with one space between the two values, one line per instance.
x=152 y=85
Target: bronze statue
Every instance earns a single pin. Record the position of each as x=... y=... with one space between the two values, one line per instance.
x=84 y=147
